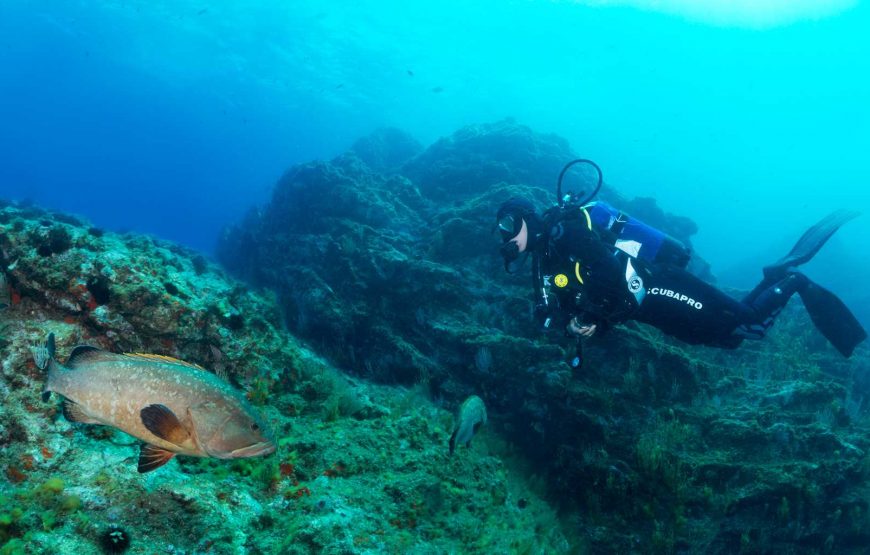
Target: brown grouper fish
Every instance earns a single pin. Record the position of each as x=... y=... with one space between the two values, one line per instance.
x=175 y=407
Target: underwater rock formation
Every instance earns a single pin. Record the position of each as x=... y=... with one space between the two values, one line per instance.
x=477 y=157
x=654 y=446
x=359 y=468
x=386 y=150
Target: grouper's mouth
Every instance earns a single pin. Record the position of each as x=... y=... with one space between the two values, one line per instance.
x=255 y=450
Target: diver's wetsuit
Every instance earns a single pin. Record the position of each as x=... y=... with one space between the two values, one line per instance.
x=682 y=305
x=599 y=284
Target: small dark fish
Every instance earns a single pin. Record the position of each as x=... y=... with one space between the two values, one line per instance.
x=472 y=415
x=411 y=73
x=202 y=11
x=341 y=86
x=5 y=292
x=438 y=90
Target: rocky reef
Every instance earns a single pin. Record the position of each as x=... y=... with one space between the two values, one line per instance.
x=367 y=300
x=390 y=272
x=360 y=467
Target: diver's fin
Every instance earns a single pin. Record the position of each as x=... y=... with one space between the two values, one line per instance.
x=152 y=457
x=832 y=318
x=810 y=242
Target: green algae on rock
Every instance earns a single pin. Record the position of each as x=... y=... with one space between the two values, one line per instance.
x=654 y=447
x=655 y=444
x=335 y=484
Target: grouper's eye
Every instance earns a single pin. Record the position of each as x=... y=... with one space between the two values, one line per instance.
x=255 y=426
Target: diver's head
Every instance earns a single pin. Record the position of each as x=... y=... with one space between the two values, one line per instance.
x=520 y=229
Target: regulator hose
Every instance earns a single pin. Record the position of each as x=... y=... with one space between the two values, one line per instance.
x=561 y=200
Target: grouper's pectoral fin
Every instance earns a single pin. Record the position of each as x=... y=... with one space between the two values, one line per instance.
x=163 y=423
x=152 y=457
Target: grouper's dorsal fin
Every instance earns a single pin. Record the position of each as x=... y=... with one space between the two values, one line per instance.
x=85 y=354
x=164 y=358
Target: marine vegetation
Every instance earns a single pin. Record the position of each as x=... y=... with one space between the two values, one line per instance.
x=358 y=467
x=653 y=445
x=367 y=301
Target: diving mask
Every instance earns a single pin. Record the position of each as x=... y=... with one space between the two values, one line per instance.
x=509 y=226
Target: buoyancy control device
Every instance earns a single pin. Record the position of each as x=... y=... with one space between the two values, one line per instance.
x=626 y=233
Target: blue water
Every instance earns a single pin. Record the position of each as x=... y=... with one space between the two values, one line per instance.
x=174 y=118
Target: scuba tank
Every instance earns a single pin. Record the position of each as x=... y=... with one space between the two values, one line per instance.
x=628 y=234
x=636 y=238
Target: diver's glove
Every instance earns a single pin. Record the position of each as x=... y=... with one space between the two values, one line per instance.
x=576 y=328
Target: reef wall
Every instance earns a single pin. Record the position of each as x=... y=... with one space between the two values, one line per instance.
x=394 y=276
x=359 y=468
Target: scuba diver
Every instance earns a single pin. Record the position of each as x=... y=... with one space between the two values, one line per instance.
x=594 y=266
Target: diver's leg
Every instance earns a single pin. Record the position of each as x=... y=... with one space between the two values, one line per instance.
x=769 y=301
x=689 y=308
x=803 y=251
x=766 y=301
x=762 y=286
x=831 y=317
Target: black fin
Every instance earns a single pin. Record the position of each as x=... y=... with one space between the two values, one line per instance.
x=152 y=457
x=73 y=412
x=809 y=244
x=50 y=345
x=163 y=423
x=477 y=427
x=44 y=359
x=833 y=319
x=468 y=444
x=83 y=354
x=453 y=441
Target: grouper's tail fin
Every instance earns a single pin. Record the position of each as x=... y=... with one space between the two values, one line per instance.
x=809 y=244
x=43 y=357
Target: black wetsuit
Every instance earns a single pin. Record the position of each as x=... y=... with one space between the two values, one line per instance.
x=599 y=284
